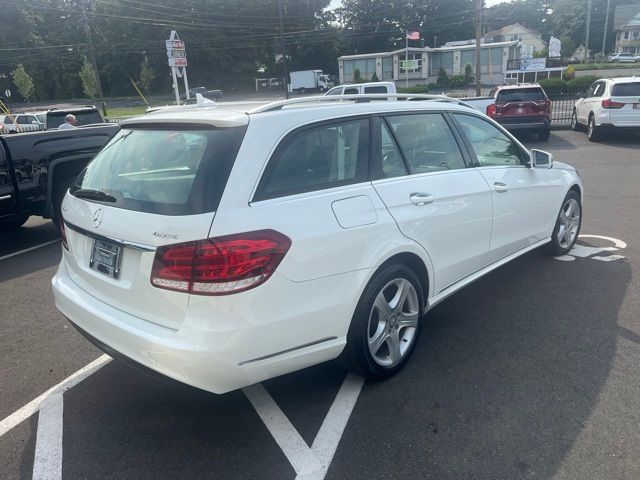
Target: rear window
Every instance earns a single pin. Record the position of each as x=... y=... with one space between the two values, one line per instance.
x=521 y=95
x=626 y=90
x=86 y=117
x=164 y=171
x=376 y=89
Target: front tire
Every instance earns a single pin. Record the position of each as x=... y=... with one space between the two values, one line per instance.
x=574 y=121
x=593 y=131
x=567 y=228
x=386 y=323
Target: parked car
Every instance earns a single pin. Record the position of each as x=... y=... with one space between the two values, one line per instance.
x=363 y=88
x=223 y=248
x=276 y=83
x=212 y=94
x=521 y=107
x=85 y=116
x=20 y=122
x=608 y=104
x=37 y=168
x=622 y=57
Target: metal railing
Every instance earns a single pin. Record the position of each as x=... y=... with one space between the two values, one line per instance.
x=562 y=108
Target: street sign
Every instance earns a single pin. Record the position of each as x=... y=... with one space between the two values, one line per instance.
x=7 y=93
x=174 y=44
x=177 y=62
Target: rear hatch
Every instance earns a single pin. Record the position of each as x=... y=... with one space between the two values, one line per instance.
x=152 y=185
x=624 y=106
x=525 y=102
x=86 y=116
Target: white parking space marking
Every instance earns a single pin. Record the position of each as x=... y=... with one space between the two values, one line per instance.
x=328 y=437
x=283 y=432
x=309 y=463
x=29 y=249
x=32 y=407
x=587 y=251
x=47 y=462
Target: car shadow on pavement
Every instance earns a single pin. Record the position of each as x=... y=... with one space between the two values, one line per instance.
x=504 y=377
x=555 y=142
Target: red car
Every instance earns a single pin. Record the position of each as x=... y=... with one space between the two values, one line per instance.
x=523 y=107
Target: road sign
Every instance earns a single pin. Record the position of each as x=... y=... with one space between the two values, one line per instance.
x=7 y=93
x=177 y=62
x=174 y=44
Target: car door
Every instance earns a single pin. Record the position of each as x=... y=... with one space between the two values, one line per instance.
x=591 y=98
x=7 y=197
x=521 y=195
x=432 y=193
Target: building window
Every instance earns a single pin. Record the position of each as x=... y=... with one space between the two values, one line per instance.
x=442 y=60
x=387 y=68
x=366 y=66
x=626 y=34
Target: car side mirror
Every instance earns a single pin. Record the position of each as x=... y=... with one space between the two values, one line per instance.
x=541 y=159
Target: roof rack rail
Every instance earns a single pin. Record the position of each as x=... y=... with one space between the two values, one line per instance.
x=278 y=105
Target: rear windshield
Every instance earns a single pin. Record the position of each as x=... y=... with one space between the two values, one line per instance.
x=165 y=171
x=626 y=90
x=87 y=117
x=521 y=95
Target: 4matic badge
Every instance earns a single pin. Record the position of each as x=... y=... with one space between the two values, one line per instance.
x=158 y=234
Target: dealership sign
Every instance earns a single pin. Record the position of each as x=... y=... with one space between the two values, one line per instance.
x=176 y=53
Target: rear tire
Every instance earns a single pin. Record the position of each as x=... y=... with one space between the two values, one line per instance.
x=386 y=323
x=574 y=121
x=593 y=131
x=567 y=228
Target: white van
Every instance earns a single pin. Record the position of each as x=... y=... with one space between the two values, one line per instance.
x=363 y=88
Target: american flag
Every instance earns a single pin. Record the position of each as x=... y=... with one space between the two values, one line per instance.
x=413 y=35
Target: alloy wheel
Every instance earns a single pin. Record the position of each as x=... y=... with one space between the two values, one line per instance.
x=569 y=223
x=393 y=322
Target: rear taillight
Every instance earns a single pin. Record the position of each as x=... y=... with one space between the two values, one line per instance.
x=491 y=110
x=221 y=265
x=63 y=234
x=608 y=103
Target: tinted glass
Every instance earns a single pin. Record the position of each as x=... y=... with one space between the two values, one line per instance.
x=626 y=90
x=491 y=146
x=599 y=90
x=520 y=95
x=173 y=172
x=335 y=91
x=392 y=163
x=318 y=158
x=427 y=142
x=376 y=89
x=350 y=91
x=23 y=119
x=86 y=117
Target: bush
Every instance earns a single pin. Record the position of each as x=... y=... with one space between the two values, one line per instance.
x=414 y=89
x=443 y=78
x=374 y=77
x=580 y=84
x=457 y=80
x=569 y=73
x=432 y=86
x=357 y=76
x=468 y=73
x=553 y=85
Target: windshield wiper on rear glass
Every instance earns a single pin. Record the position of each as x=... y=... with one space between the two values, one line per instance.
x=92 y=194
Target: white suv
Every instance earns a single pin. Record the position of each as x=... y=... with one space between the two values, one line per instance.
x=608 y=104
x=223 y=248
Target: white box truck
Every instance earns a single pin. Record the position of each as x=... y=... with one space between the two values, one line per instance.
x=304 y=81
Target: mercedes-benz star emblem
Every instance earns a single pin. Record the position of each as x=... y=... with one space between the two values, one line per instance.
x=97 y=218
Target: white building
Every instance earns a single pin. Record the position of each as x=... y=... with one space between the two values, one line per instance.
x=519 y=33
x=627 y=26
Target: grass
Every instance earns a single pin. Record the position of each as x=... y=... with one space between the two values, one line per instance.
x=126 y=111
x=604 y=66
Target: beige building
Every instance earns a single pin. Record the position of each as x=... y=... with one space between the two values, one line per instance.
x=519 y=33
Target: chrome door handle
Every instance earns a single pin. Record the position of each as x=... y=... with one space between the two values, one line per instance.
x=501 y=187
x=421 y=198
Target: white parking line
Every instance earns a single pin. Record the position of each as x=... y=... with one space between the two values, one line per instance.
x=309 y=463
x=29 y=249
x=47 y=461
x=32 y=407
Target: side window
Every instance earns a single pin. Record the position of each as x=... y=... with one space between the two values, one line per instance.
x=376 y=89
x=22 y=119
x=491 y=146
x=590 y=90
x=318 y=158
x=427 y=142
x=351 y=91
x=392 y=162
x=335 y=91
x=599 y=90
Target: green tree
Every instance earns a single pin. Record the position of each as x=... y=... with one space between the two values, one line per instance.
x=88 y=79
x=23 y=82
x=567 y=46
x=357 y=76
x=468 y=73
x=147 y=77
x=374 y=77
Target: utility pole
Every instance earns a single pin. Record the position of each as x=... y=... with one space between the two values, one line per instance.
x=285 y=70
x=92 y=53
x=478 y=31
x=586 y=36
x=606 y=27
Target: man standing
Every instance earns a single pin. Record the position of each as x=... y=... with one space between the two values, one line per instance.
x=69 y=123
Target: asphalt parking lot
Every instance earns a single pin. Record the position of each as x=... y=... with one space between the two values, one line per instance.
x=531 y=372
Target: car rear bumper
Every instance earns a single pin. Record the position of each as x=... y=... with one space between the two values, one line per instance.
x=525 y=124
x=223 y=354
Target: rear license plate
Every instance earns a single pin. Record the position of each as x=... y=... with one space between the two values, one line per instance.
x=105 y=258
